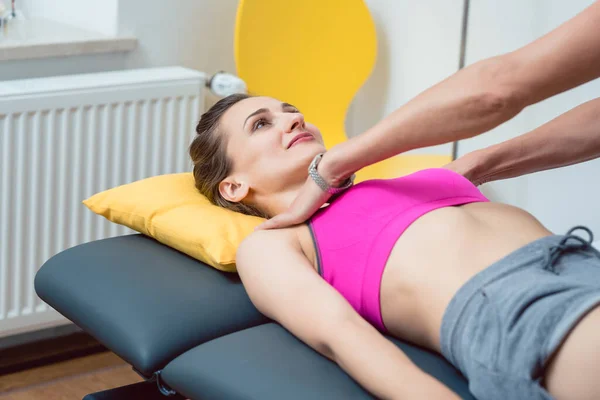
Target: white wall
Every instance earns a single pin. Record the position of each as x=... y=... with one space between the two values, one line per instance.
x=418 y=45
x=562 y=197
x=193 y=33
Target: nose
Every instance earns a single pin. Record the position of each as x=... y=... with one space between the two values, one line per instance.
x=293 y=121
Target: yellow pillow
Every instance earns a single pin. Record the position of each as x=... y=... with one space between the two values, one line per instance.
x=171 y=210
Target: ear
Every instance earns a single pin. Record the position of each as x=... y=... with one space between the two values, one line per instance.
x=233 y=190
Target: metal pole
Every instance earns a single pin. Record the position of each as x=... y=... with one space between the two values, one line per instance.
x=462 y=56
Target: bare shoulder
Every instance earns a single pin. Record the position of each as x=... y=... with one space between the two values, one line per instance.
x=275 y=271
x=286 y=236
x=270 y=235
x=262 y=244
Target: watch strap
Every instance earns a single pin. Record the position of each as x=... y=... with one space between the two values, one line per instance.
x=318 y=179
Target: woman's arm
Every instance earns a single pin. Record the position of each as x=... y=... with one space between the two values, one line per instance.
x=478 y=97
x=283 y=285
x=570 y=138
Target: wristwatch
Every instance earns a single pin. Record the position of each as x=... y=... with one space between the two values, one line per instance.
x=314 y=174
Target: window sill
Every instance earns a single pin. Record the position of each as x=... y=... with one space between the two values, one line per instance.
x=38 y=38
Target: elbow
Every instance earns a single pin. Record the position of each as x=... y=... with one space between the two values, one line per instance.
x=325 y=348
x=497 y=105
x=326 y=345
x=500 y=98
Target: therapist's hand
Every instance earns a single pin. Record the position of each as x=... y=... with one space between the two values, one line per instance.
x=310 y=198
x=470 y=166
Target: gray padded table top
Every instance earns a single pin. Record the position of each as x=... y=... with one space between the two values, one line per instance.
x=267 y=362
x=145 y=301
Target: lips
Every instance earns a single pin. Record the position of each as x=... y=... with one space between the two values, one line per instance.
x=298 y=137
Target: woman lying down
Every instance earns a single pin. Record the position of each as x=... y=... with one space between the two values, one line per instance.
x=425 y=258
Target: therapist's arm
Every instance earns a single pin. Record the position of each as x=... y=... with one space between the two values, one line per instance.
x=478 y=97
x=571 y=138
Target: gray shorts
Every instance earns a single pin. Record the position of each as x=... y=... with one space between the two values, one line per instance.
x=502 y=326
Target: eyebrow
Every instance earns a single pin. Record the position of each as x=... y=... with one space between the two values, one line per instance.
x=264 y=110
x=288 y=105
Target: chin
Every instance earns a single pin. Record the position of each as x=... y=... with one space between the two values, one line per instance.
x=312 y=149
x=297 y=166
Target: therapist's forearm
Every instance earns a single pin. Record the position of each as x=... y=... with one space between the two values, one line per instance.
x=571 y=138
x=466 y=104
x=480 y=96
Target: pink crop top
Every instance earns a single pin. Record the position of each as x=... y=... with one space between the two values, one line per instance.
x=355 y=234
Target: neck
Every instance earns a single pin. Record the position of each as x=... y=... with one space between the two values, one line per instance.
x=279 y=202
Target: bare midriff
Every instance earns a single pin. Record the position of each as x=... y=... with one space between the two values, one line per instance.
x=438 y=254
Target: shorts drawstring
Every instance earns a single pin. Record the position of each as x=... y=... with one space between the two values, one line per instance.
x=555 y=252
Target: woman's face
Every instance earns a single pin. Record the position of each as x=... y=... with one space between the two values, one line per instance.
x=269 y=143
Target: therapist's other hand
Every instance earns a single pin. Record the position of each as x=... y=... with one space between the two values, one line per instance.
x=469 y=166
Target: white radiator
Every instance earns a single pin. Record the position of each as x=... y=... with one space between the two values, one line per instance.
x=63 y=139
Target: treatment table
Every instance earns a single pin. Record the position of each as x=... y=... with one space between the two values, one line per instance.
x=191 y=331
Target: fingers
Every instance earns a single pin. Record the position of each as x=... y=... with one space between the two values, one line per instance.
x=308 y=201
x=279 y=221
x=452 y=166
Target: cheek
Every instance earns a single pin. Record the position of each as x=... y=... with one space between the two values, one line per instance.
x=315 y=131
x=263 y=153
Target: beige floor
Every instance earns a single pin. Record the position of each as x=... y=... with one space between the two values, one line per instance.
x=69 y=380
